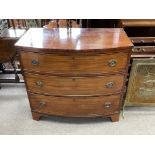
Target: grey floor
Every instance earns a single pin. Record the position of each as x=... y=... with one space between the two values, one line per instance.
x=15 y=118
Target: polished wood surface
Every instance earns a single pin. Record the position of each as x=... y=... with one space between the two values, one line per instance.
x=75 y=106
x=75 y=63
x=75 y=72
x=137 y=22
x=7 y=41
x=53 y=85
x=7 y=50
x=74 y=39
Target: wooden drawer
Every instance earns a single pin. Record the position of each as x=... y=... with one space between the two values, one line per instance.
x=74 y=63
x=55 y=85
x=143 y=49
x=142 y=39
x=75 y=106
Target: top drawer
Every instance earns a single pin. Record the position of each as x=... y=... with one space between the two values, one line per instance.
x=74 y=63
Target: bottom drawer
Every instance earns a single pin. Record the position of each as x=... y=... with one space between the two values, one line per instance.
x=75 y=106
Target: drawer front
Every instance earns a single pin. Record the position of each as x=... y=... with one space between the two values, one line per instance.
x=142 y=39
x=74 y=64
x=75 y=106
x=143 y=49
x=55 y=85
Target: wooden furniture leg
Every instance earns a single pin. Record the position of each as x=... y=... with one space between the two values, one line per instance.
x=115 y=118
x=36 y=116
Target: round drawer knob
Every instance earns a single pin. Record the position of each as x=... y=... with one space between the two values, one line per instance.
x=42 y=104
x=109 y=85
x=112 y=63
x=35 y=62
x=142 y=41
x=39 y=83
x=143 y=50
x=107 y=105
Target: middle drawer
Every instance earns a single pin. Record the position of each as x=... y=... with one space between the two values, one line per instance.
x=56 y=85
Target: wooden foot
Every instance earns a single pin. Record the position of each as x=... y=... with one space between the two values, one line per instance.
x=36 y=116
x=115 y=118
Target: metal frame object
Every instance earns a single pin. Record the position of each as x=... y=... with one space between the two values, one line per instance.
x=141 y=86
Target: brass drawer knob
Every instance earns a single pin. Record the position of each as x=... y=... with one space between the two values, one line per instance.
x=112 y=63
x=35 y=62
x=142 y=41
x=39 y=83
x=107 y=105
x=42 y=104
x=109 y=85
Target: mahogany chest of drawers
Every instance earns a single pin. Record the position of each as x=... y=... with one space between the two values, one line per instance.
x=75 y=72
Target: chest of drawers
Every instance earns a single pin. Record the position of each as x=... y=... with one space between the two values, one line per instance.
x=75 y=72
